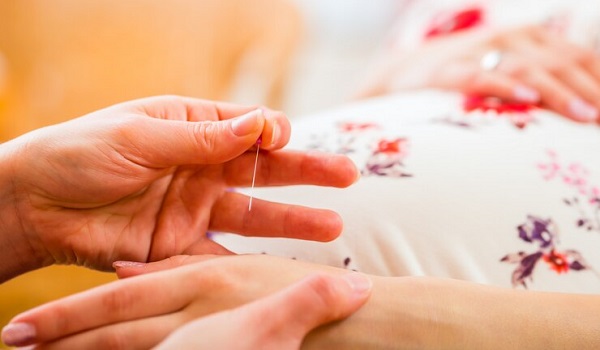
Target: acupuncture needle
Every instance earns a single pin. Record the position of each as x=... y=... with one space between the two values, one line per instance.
x=258 y=142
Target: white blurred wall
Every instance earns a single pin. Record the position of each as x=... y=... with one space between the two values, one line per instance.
x=340 y=38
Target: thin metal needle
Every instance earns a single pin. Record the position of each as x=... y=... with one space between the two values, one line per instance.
x=254 y=174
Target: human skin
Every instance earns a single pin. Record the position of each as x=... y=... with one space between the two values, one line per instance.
x=279 y=321
x=402 y=312
x=147 y=179
x=537 y=67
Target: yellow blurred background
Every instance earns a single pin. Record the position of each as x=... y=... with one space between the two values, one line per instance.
x=61 y=59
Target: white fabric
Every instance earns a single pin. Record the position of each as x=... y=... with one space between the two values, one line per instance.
x=470 y=180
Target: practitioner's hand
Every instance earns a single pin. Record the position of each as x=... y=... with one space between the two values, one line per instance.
x=147 y=179
x=534 y=66
x=139 y=312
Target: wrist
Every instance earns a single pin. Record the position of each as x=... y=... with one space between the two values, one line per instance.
x=426 y=313
x=399 y=314
x=18 y=254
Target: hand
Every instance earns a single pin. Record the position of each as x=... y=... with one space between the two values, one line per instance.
x=140 y=312
x=278 y=321
x=147 y=179
x=402 y=312
x=536 y=67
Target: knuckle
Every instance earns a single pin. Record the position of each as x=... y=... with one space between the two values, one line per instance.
x=118 y=302
x=114 y=340
x=60 y=316
x=585 y=57
x=204 y=136
x=516 y=68
x=324 y=291
x=476 y=80
x=556 y=67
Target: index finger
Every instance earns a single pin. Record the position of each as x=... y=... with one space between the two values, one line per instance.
x=276 y=132
x=111 y=303
x=284 y=168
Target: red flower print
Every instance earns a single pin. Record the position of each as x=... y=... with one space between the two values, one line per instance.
x=447 y=23
x=557 y=261
x=518 y=112
x=391 y=146
x=488 y=103
x=350 y=127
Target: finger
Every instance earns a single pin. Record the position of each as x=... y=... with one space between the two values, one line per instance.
x=559 y=97
x=279 y=321
x=197 y=110
x=125 y=269
x=550 y=60
x=584 y=56
x=158 y=143
x=585 y=87
x=292 y=168
x=500 y=85
x=470 y=78
x=175 y=234
x=115 y=302
x=581 y=68
x=268 y=219
x=138 y=334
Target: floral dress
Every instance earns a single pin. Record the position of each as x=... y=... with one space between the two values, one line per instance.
x=453 y=192
x=467 y=187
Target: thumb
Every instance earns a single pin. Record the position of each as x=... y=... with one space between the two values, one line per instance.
x=287 y=316
x=167 y=143
x=278 y=321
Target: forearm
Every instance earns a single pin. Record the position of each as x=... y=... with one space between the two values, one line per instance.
x=18 y=256
x=430 y=313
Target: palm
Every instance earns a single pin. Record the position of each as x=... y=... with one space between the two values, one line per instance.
x=119 y=185
x=124 y=217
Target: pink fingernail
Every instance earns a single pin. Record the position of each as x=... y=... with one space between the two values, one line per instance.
x=18 y=334
x=583 y=110
x=276 y=133
x=523 y=93
x=127 y=264
x=247 y=123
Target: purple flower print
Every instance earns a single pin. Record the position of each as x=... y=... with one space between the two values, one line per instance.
x=537 y=230
x=544 y=234
x=525 y=266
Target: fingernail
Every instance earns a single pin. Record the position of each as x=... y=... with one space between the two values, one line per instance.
x=128 y=264
x=276 y=132
x=359 y=283
x=16 y=334
x=583 y=110
x=247 y=123
x=523 y=93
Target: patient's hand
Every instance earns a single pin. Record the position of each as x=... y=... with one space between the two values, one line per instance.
x=402 y=312
x=278 y=321
x=536 y=66
x=141 y=311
